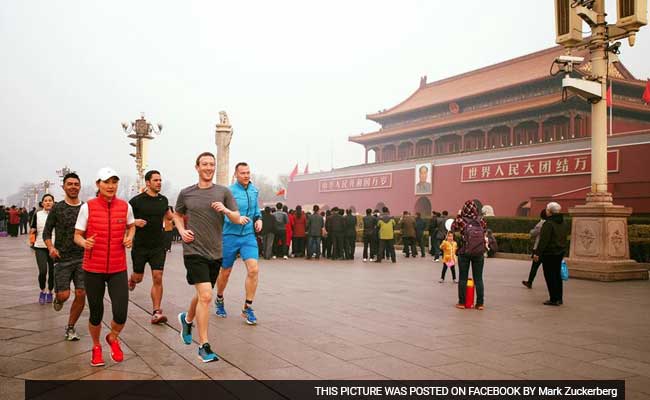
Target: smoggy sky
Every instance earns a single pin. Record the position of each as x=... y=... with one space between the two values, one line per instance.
x=296 y=77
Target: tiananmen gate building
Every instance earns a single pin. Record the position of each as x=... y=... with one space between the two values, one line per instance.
x=503 y=134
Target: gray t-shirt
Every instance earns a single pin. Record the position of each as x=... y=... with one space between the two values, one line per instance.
x=203 y=220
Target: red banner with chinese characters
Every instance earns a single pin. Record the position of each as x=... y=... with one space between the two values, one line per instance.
x=358 y=182
x=538 y=167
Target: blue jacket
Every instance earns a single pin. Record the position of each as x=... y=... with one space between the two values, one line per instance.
x=246 y=199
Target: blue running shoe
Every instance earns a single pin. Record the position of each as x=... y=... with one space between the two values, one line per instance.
x=220 y=308
x=186 y=329
x=249 y=315
x=206 y=354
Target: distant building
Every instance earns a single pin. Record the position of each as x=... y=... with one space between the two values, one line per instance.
x=500 y=134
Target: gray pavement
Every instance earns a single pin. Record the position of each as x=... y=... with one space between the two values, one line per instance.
x=342 y=320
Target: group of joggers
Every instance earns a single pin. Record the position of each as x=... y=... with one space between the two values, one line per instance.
x=85 y=244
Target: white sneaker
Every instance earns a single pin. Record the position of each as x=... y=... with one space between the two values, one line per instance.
x=285 y=257
x=455 y=281
x=436 y=260
x=441 y=281
x=274 y=257
x=365 y=260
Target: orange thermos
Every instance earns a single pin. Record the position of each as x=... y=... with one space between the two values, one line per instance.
x=469 y=294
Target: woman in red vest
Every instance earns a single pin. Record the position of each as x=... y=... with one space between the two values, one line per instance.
x=105 y=227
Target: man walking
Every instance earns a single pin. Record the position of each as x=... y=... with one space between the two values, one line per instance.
x=206 y=204
x=240 y=238
x=151 y=211
x=68 y=257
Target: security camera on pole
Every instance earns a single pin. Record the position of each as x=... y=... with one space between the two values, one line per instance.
x=599 y=239
x=142 y=131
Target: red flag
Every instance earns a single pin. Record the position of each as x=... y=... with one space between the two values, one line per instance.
x=281 y=192
x=293 y=173
x=609 y=96
x=306 y=169
x=646 y=92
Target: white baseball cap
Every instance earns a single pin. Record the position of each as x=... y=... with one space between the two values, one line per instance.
x=106 y=173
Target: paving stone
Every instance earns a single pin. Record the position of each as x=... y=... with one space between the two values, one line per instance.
x=395 y=368
x=11 y=388
x=11 y=366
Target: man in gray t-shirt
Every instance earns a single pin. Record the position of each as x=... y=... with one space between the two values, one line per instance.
x=205 y=204
x=203 y=220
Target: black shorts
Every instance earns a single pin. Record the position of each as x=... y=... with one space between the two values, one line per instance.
x=142 y=255
x=200 y=269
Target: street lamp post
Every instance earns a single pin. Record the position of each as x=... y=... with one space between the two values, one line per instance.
x=61 y=173
x=141 y=131
x=599 y=235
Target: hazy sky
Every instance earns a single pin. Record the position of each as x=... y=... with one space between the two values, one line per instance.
x=296 y=77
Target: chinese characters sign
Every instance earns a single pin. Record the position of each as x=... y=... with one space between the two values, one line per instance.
x=558 y=165
x=359 y=182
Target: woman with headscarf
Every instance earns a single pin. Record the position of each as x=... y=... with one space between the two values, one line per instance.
x=472 y=230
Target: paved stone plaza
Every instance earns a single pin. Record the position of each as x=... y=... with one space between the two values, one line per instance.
x=343 y=320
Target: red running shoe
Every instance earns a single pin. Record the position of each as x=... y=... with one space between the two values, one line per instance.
x=116 y=351
x=97 y=359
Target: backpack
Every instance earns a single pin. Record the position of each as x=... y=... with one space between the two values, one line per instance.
x=473 y=238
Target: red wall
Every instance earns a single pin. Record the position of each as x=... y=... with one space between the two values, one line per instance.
x=631 y=186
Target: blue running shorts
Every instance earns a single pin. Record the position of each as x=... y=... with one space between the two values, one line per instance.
x=245 y=245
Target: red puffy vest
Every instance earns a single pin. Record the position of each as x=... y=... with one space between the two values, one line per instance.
x=108 y=222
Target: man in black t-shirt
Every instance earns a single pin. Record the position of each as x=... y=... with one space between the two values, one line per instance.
x=150 y=209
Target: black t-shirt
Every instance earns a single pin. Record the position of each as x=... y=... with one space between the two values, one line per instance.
x=152 y=210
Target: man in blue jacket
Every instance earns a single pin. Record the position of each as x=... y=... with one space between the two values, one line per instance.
x=240 y=239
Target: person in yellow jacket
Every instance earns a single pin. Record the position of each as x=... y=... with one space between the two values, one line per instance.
x=386 y=226
x=449 y=259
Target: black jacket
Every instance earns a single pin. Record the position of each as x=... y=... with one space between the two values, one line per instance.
x=350 y=225
x=552 y=237
x=314 y=225
x=268 y=223
x=369 y=225
x=335 y=223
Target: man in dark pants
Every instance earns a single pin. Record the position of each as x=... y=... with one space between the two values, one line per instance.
x=281 y=221
x=420 y=226
x=327 y=238
x=369 y=236
x=315 y=226
x=433 y=227
x=335 y=225
x=550 y=251
x=407 y=225
x=350 y=234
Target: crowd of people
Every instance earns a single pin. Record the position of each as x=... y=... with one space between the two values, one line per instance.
x=15 y=220
x=84 y=244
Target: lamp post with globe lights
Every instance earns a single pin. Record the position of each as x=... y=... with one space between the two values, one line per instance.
x=142 y=131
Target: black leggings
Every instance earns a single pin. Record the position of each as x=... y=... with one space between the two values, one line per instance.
x=118 y=291
x=45 y=268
